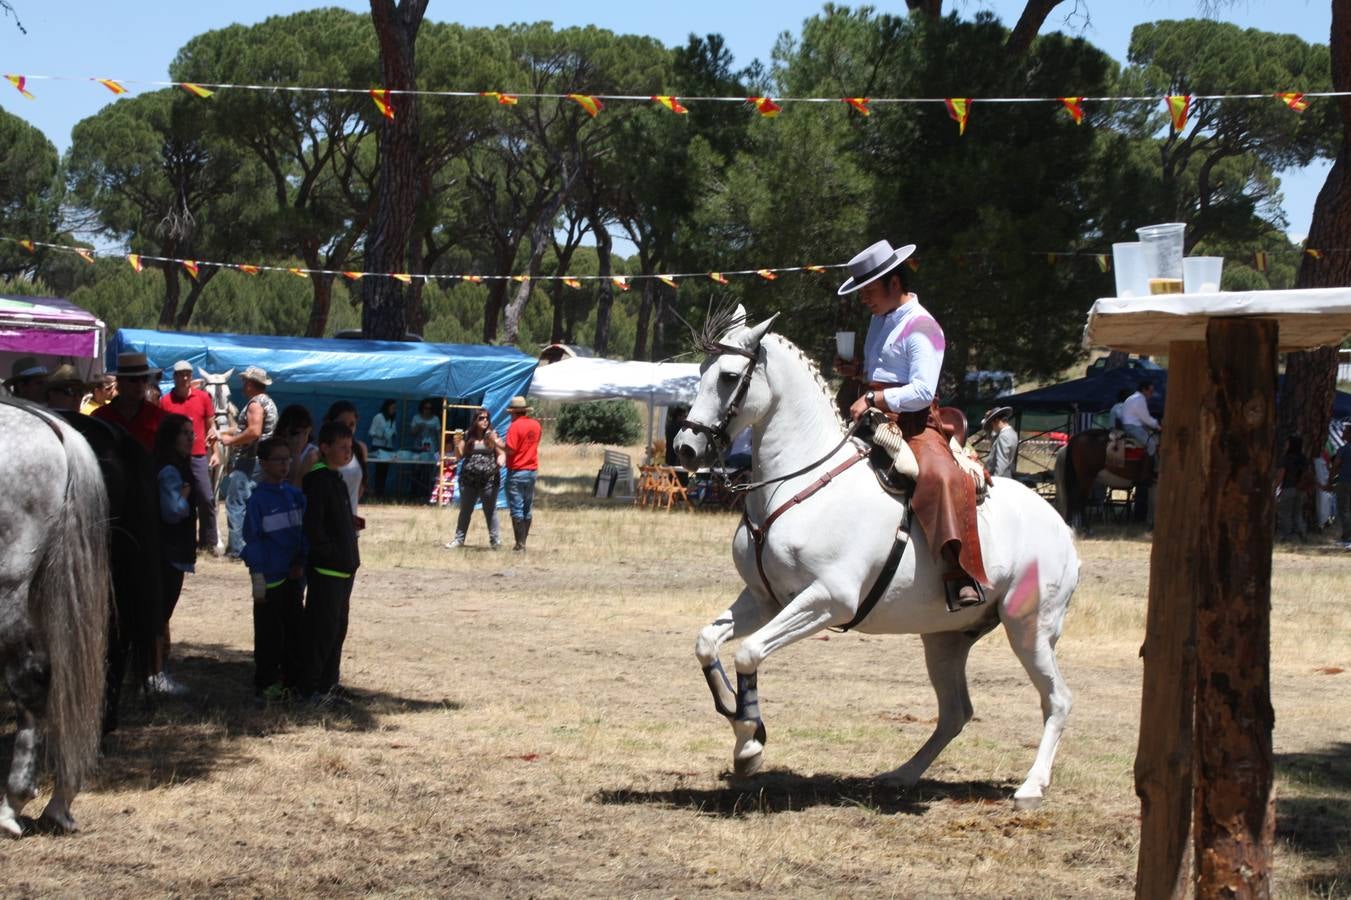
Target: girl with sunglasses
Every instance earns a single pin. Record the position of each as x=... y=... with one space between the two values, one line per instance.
x=483 y=455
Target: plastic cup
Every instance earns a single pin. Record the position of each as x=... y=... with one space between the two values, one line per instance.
x=844 y=344
x=1201 y=274
x=1161 y=246
x=1128 y=266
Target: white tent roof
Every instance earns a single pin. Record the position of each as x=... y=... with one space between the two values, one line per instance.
x=574 y=380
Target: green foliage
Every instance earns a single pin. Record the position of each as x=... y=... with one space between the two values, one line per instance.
x=602 y=422
x=30 y=193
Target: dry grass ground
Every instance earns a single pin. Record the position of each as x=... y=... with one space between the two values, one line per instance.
x=537 y=726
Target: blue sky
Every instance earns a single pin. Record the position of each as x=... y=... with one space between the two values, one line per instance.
x=138 y=41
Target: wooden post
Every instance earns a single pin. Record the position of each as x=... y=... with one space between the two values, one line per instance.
x=1163 y=761
x=1235 y=817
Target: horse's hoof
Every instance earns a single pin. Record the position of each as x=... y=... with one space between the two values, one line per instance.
x=748 y=766
x=10 y=826
x=54 y=823
x=1025 y=804
x=899 y=778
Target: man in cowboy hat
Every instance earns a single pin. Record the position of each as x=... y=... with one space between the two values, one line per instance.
x=129 y=408
x=256 y=422
x=522 y=467
x=28 y=379
x=1004 y=446
x=65 y=389
x=195 y=403
x=902 y=357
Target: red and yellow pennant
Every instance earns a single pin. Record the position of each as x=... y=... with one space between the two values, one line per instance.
x=1316 y=254
x=1050 y=258
x=766 y=106
x=1075 y=107
x=114 y=86
x=959 y=110
x=717 y=277
x=29 y=246
x=860 y=104
x=572 y=283
x=1104 y=262
x=247 y=269
x=85 y=254
x=817 y=269
x=195 y=89
x=520 y=279
x=1259 y=260
x=913 y=264
x=766 y=274
x=383 y=102
x=1179 y=108
x=403 y=277
x=667 y=280
x=620 y=282
x=353 y=276
x=21 y=84
x=501 y=98
x=671 y=103
x=190 y=266
x=588 y=103
x=298 y=272
x=134 y=260
x=1295 y=101
x=474 y=279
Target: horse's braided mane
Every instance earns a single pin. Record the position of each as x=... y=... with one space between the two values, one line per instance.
x=811 y=365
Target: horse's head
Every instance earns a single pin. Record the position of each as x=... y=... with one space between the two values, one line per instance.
x=218 y=387
x=730 y=397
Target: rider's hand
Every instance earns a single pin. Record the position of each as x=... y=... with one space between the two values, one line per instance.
x=858 y=408
x=846 y=367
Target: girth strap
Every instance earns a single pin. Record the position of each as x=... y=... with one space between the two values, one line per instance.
x=883 y=581
x=758 y=532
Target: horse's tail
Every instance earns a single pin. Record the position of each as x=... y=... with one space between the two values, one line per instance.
x=70 y=603
x=1065 y=480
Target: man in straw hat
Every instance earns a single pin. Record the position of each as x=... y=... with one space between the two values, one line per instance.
x=28 y=379
x=255 y=423
x=129 y=408
x=522 y=467
x=65 y=389
x=902 y=357
x=1004 y=444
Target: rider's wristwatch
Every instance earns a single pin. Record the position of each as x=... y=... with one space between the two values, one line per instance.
x=870 y=398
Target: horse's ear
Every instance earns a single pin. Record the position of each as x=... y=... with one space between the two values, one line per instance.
x=756 y=334
x=205 y=373
x=228 y=372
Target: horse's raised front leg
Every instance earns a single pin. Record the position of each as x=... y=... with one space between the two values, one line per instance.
x=807 y=613
x=945 y=656
x=745 y=615
x=27 y=674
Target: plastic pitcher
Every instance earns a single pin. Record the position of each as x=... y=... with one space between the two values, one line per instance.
x=844 y=344
x=1201 y=274
x=1129 y=268
x=1161 y=247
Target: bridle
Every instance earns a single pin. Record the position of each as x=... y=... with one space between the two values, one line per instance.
x=717 y=432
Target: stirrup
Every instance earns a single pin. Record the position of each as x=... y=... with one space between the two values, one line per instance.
x=952 y=586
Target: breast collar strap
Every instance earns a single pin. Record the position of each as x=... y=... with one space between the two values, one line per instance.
x=758 y=533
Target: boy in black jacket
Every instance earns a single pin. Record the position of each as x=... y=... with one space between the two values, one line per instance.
x=330 y=529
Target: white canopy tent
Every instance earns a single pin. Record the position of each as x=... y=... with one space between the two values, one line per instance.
x=580 y=379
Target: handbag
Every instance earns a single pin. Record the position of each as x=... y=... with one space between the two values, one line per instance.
x=479 y=471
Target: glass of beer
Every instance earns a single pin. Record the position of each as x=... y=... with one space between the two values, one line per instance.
x=1161 y=246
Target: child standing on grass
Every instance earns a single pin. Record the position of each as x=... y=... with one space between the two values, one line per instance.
x=275 y=551
x=331 y=529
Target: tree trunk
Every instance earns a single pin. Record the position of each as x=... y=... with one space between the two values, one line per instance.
x=606 y=298
x=644 y=307
x=190 y=303
x=539 y=242
x=383 y=301
x=1029 y=23
x=171 y=293
x=931 y=8
x=1311 y=376
x=556 y=332
x=319 y=304
x=1235 y=809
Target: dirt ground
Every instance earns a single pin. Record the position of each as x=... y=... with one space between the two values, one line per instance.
x=536 y=726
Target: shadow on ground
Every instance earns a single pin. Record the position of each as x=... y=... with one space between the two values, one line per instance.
x=779 y=791
x=174 y=740
x=1315 y=817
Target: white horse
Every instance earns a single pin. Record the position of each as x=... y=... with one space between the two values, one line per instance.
x=217 y=388
x=819 y=562
x=53 y=604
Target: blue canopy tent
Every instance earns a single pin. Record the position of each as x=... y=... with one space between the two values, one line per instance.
x=314 y=372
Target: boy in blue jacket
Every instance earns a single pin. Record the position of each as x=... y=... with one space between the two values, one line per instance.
x=275 y=551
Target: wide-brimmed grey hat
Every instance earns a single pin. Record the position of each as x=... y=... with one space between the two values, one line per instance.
x=253 y=373
x=873 y=263
x=518 y=404
x=999 y=412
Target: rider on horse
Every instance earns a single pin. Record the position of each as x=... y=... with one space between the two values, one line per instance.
x=1136 y=420
x=903 y=353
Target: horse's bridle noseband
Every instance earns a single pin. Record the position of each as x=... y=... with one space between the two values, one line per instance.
x=717 y=432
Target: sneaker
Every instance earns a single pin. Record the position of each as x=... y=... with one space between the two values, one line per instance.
x=453 y=545
x=166 y=686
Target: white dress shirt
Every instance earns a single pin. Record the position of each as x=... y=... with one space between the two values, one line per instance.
x=1135 y=411
x=905 y=347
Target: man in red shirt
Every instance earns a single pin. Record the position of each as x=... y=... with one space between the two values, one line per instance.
x=186 y=400
x=129 y=408
x=522 y=467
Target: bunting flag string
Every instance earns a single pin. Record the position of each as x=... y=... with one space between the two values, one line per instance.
x=1259 y=260
x=959 y=108
x=1179 y=107
x=1075 y=107
x=383 y=103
